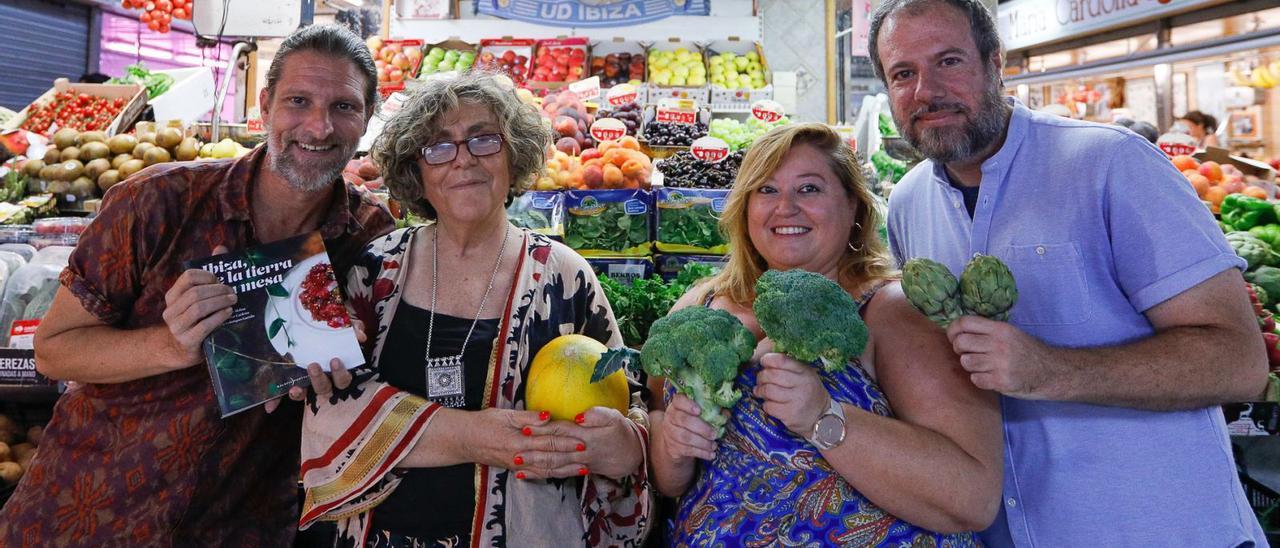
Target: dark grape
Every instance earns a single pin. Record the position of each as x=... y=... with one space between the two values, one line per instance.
x=673 y=135
x=684 y=171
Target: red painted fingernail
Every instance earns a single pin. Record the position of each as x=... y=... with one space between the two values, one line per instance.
x=527 y=431
x=582 y=471
x=519 y=475
x=519 y=460
x=544 y=415
x=582 y=446
x=581 y=418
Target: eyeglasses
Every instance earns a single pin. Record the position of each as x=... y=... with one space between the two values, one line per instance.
x=446 y=151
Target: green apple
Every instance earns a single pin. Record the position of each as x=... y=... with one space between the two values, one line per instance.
x=698 y=69
x=696 y=80
x=662 y=79
x=717 y=69
x=436 y=50
x=753 y=67
x=451 y=55
x=445 y=65
x=740 y=63
x=716 y=61
x=658 y=61
x=678 y=81
x=717 y=80
x=680 y=71
x=752 y=56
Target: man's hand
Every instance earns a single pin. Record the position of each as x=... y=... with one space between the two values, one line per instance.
x=1001 y=357
x=195 y=306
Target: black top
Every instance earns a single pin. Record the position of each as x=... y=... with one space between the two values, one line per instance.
x=970 y=194
x=433 y=504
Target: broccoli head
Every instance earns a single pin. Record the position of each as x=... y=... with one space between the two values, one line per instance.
x=699 y=350
x=809 y=318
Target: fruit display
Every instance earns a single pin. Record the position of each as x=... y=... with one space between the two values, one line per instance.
x=732 y=71
x=510 y=57
x=630 y=114
x=678 y=68
x=740 y=135
x=619 y=68
x=683 y=170
x=396 y=60
x=611 y=165
x=79 y=165
x=1262 y=75
x=986 y=288
x=671 y=134
x=158 y=15
x=18 y=445
x=560 y=379
x=561 y=60
x=364 y=172
x=570 y=121
x=73 y=110
x=440 y=59
x=226 y=148
x=1213 y=182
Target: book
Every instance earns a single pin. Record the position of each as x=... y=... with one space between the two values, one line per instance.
x=289 y=313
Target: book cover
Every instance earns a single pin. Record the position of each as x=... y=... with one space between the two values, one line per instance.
x=289 y=313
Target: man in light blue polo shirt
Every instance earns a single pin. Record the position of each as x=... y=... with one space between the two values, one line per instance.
x=1132 y=323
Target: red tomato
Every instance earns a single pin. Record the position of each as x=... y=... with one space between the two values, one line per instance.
x=153 y=25
x=145 y=18
x=164 y=5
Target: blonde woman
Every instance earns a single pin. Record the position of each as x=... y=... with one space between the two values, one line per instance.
x=898 y=449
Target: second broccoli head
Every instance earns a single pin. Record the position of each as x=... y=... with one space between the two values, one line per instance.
x=699 y=350
x=809 y=318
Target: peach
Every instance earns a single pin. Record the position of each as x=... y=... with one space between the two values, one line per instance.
x=1184 y=162
x=1211 y=170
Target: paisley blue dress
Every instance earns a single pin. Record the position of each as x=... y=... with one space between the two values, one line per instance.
x=769 y=487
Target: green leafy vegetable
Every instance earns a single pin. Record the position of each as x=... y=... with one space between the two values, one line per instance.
x=695 y=226
x=887 y=128
x=640 y=303
x=613 y=229
x=156 y=83
x=888 y=167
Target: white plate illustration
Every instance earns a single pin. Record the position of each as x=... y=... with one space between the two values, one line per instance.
x=306 y=339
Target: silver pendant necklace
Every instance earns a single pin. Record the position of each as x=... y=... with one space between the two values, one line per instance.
x=445 y=385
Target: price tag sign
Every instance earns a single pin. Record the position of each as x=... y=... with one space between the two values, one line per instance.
x=676 y=115
x=1175 y=144
x=767 y=111
x=621 y=94
x=586 y=89
x=608 y=129
x=672 y=102
x=253 y=123
x=710 y=149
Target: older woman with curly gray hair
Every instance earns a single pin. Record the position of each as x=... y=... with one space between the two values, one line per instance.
x=431 y=442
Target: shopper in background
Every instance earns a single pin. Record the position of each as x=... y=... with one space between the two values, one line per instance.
x=918 y=461
x=1131 y=327
x=1147 y=131
x=139 y=456
x=1201 y=126
x=468 y=460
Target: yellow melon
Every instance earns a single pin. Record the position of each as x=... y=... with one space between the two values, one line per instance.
x=560 y=379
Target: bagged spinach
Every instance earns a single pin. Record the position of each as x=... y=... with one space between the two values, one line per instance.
x=539 y=211
x=604 y=223
x=689 y=220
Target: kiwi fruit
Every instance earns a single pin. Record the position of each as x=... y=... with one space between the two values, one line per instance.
x=122 y=144
x=142 y=149
x=47 y=172
x=72 y=169
x=91 y=137
x=83 y=187
x=52 y=156
x=96 y=167
x=147 y=137
x=65 y=137
x=58 y=187
x=129 y=168
x=32 y=168
x=168 y=137
x=187 y=150
x=94 y=150
x=70 y=153
x=156 y=155
x=120 y=159
x=108 y=179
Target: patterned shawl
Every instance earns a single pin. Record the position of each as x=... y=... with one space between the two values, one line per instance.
x=352 y=441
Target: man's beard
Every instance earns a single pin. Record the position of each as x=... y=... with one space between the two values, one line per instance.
x=958 y=143
x=306 y=177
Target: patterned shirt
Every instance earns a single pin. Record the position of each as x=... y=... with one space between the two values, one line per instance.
x=149 y=462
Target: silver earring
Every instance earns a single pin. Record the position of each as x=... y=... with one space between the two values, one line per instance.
x=858 y=249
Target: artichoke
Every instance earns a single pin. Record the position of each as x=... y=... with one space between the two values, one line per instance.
x=933 y=290
x=987 y=288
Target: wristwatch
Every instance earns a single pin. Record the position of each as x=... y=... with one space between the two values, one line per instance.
x=828 y=432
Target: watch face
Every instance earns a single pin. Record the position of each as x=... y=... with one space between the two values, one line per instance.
x=830 y=429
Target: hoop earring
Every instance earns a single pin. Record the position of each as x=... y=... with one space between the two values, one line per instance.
x=858 y=249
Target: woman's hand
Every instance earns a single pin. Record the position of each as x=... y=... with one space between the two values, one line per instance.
x=792 y=392
x=599 y=441
x=684 y=434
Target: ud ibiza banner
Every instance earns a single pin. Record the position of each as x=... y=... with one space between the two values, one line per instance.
x=591 y=13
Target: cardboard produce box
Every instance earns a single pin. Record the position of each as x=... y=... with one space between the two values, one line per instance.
x=551 y=71
x=606 y=50
x=446 y=65
x=511 y=56
x=661 y=88
x=738 y=96
x=134 y=95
